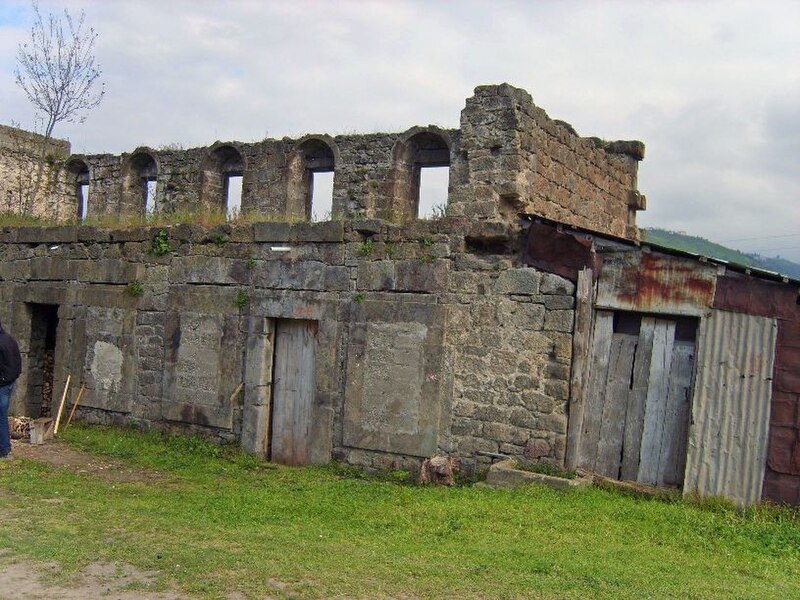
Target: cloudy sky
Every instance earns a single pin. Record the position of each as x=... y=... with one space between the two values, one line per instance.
x=712 y=88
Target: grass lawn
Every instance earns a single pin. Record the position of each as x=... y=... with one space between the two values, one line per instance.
x=215 y=520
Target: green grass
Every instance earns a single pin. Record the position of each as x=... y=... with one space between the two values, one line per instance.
x=215 y=520
x=203 y=217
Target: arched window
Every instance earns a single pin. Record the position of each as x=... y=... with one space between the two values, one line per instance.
x=139 y=183
x=421 y=174
x=221 y=187
x=78 y=185
x=311 y=171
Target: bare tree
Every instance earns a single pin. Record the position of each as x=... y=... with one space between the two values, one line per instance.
x=59 y=75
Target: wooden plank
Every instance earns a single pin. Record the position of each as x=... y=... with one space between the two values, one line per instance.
x=634 y=415
x=581 y=340
x=676 y=419
x=294 y=388
x=305 y=389
x=656 y=402
x=598 y=374
x=292 y=372
x=281 y=400
x=612 y=425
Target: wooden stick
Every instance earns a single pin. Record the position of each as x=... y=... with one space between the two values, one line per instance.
x=75 y=405
x=61 y=406
x=235 y=393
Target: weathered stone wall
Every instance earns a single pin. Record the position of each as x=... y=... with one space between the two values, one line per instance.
x=512 y=349
x=429 y=338
x=519 y=161
x=19 y=160
x=507 y=159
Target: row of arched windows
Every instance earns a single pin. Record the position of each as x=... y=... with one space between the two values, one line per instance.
x=419 y=178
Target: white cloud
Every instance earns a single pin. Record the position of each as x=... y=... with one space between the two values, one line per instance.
x=707 y=86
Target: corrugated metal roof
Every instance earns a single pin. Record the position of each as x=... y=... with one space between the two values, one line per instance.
x=727 y=447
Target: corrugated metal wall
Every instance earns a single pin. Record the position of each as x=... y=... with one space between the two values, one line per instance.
x=730 y=408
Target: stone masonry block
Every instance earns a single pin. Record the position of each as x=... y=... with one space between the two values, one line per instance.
x=559 y=320
x=52 y=268
x=337 y=279
x=376 y=275
x=416 y=275
x=553 y=284
x=272 y=232
x=518 y=281
x=503 y=432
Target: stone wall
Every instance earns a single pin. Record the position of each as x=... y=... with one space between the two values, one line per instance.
x=19 y=160
x=507 y=159
x=519 y=161
x=428 y=338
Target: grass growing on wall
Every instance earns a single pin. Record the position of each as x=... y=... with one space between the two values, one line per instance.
x=205 y=218
x=214 y=521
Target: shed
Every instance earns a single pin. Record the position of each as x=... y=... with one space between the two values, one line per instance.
x=685 y=369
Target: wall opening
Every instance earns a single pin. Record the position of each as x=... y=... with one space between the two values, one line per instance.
x=78 y=182
x=427 y=155
x=41 y=359
x=233 y=196
x=321 y=195
x=150 y=196
x=222 y=181
x=433 y=182
x=139 y=184
x=638 y=397
x=83 y=201
x=311 y=176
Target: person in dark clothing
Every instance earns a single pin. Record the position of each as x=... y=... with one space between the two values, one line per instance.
x=10 y=368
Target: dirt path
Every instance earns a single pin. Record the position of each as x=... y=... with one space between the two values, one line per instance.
x=25 y=579
x=99 y=580
x=59 y=454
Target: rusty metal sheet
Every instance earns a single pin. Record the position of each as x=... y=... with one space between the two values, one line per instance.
x=559 y=252
x=727 y=448
x=655 y=283
x=757 y=297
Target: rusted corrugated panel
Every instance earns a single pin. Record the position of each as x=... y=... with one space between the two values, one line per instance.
x=730 y=407
x=655 y=283
x=559 y=252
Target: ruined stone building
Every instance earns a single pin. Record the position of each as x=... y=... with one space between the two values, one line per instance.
x=528 y=320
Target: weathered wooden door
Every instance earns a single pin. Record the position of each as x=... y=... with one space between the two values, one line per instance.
x=293 y=391
x=637 y=410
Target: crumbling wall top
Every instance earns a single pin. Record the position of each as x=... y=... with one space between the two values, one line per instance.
x=507 y=160
x=15 y=139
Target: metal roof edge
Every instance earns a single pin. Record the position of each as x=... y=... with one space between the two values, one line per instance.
x=745 y=269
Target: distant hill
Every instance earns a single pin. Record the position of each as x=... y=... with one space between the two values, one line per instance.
x=703 y=247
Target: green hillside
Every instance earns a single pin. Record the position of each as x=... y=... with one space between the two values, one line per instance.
x=704 y=247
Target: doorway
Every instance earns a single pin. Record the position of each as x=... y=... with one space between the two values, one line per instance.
x=41 y=359
x=636 y=419
x=293 y=391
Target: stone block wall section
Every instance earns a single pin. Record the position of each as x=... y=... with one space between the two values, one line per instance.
x=519 y=161
x=19 y=152
x=426 y=341
x=507 y=159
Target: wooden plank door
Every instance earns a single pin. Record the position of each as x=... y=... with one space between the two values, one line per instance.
x=637 y=401
x=293 y=391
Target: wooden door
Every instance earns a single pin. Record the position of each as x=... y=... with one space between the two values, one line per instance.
x=293 y=391
x=637 y=400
